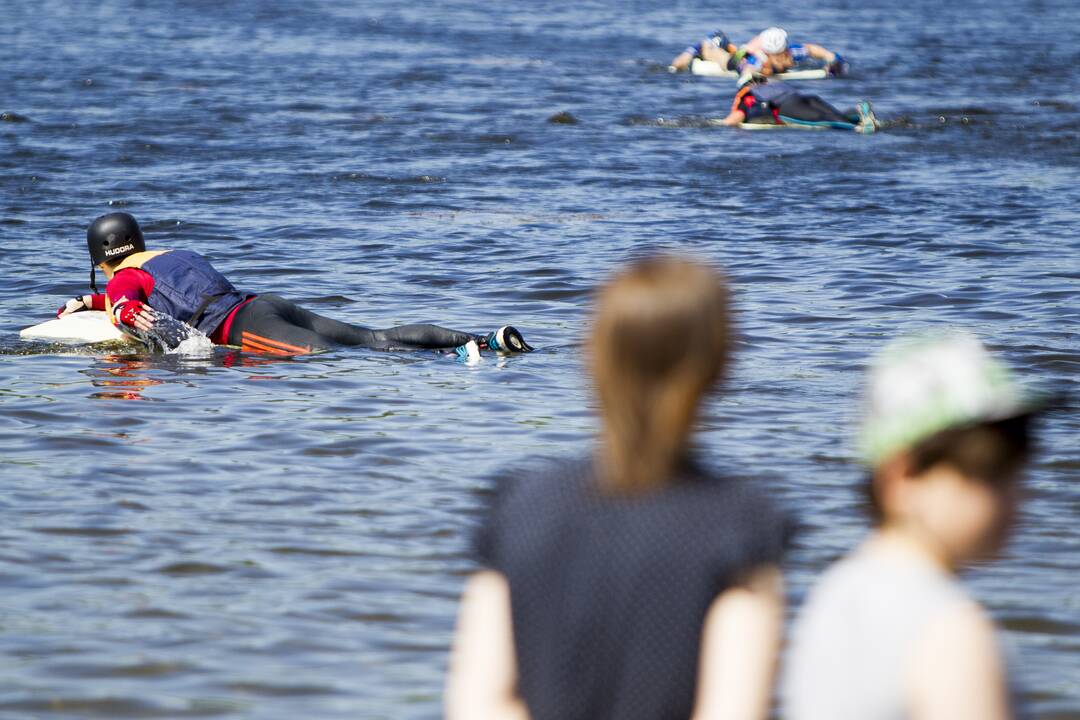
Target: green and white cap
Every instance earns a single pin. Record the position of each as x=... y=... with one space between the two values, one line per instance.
x=919 y=386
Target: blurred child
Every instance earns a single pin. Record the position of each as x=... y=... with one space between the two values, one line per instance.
x=889 y=632
x=634 y=583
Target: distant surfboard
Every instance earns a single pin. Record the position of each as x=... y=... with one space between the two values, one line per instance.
x=710 y=68
x=780 y=126
x=88 y=326
x=770 y=125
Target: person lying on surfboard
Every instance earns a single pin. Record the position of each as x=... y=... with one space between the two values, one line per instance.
x=779 y=103
x=715 y=48
x=182 y=285
x=767 y=53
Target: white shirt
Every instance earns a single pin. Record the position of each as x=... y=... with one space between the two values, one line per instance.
x=852 y=643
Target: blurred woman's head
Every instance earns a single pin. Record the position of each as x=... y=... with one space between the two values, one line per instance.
x=660 y=341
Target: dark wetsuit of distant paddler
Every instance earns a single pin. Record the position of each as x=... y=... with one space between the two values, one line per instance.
x=783 y=104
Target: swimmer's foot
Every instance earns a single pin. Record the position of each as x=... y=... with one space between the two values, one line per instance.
x=469 y=352
x=506 y=340
x=868 y=122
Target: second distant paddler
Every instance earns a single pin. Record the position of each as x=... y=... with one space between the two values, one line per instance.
x=767 y=53
x=778 y=103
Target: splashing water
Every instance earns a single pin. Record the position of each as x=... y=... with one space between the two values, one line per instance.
x=196 y=344
x=172 y=336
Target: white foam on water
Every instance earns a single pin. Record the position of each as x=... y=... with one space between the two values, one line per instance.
x=174 y=337
x=196 y=344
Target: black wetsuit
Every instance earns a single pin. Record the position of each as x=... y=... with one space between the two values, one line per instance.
x=270 y=323
x=811 y=108
x=185 y=286
x=783 y=103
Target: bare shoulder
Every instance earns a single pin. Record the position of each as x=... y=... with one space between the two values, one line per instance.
x=960 y=628
x=956 y=670
x=739 y=649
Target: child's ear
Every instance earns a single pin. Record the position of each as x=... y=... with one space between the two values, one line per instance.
x=892 y=482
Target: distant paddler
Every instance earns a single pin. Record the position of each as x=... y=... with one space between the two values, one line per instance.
x=767 y=53
x=775 y=102
x=146 y=285
x=714 y=48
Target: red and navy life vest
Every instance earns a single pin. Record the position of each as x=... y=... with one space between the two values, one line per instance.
x=773 y=92
x=186 y=287
x=759 y=99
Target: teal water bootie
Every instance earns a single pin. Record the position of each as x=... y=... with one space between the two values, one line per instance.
x=868 y=122
x=469 y=352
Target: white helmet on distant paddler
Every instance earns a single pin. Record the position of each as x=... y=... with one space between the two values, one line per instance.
x=774 y=40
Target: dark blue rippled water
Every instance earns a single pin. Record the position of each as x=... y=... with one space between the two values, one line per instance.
x=230 y=537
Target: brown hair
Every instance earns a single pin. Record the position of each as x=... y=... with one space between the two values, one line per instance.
x=660 y=340
x=989 y=452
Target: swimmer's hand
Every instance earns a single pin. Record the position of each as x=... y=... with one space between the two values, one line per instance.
x=750 y=75
x=155 y=329
x=75 y=304
x=141 y=320
x=134 y=314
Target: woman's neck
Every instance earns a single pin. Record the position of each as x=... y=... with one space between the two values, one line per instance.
x=912 y=543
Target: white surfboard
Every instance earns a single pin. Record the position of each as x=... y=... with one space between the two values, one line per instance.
x=711 y=68
x=88 y=326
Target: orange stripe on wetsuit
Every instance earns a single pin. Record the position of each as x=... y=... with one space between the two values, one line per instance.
x=249 y=345
x=258 y=343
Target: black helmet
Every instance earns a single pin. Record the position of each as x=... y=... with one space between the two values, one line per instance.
x=112 y=237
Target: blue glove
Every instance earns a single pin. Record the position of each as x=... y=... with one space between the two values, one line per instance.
x=839 y=67
x=720 y=40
